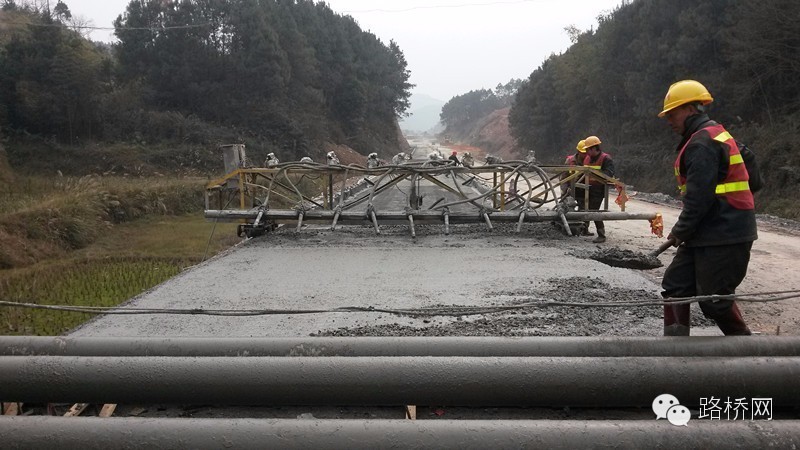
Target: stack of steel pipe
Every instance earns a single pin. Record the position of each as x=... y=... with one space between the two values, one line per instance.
x=608 y=372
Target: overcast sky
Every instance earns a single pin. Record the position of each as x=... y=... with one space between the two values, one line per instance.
x=451 y=46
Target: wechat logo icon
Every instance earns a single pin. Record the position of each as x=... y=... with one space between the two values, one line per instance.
x=667 y=406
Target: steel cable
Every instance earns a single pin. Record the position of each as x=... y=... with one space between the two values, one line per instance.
x=453 y=310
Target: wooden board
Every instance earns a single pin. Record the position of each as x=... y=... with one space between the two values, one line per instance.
x=76 y=410
x=12 y=409
x=107 y=410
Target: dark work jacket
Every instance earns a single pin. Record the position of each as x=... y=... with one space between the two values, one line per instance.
x=607 y=167
x=707 y=218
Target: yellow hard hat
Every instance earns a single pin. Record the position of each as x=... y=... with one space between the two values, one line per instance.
x=591 y=141
x=683 y=92
x=581 y=146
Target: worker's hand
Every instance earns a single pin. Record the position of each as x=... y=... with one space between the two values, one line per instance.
x=676 y=242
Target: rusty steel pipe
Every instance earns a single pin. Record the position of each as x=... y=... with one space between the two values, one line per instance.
x=124 y=433
x=365 y=381
x=605 y=346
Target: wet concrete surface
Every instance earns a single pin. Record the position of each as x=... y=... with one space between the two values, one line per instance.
x=320 y=269
x=627 y=259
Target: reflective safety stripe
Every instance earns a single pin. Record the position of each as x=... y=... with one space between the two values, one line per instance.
x=723 y=137
x=725 y=188
x=735 y=186
x=595 y=167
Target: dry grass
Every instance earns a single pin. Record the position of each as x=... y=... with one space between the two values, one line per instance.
x=42 y=217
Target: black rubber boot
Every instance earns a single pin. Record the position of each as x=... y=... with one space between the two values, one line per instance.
x=585 y=231
x=731 y=323
x=676 y=330
x=601 y=236
x=677 y=319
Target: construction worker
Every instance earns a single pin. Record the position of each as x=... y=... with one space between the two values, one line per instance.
x=598 y=160
x=306 y=160
x=332 y=158
x=271 y=160
x=717 y=226
x=493 y=160
x=399 y=159
x=468 y=160
x=372 y=161
x=578 y=157
x=579 y=193
x=454 y=157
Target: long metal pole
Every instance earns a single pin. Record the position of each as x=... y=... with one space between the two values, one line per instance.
x=459 y=381
x=608 y=346
x=119 y=433
x=431 y=215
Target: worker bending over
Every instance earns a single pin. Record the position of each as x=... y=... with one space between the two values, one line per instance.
x=717 y=226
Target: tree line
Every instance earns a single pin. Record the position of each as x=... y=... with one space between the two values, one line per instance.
x=284 y=74
x=462 y=112
x=611 y=82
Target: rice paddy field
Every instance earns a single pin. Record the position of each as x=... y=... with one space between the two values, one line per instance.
x=95 y=242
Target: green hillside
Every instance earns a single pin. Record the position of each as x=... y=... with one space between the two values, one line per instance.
x=612 y=82
x=279 y=76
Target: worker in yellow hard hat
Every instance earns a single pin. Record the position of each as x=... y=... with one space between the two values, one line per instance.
x=577 y=158
x=597 y=159
x=717 y=226
x=578 y=193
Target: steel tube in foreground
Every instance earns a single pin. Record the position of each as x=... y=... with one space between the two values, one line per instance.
x=606 y=346
x=459 y=381
x=103 y=433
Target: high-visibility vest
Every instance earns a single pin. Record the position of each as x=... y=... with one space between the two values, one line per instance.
x=735 y=188
x=596 y=165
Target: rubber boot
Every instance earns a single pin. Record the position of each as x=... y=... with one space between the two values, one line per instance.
x=732 y=324
x=601 y=236
x=676 y=330
x=677 y=320
x=585 y=231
